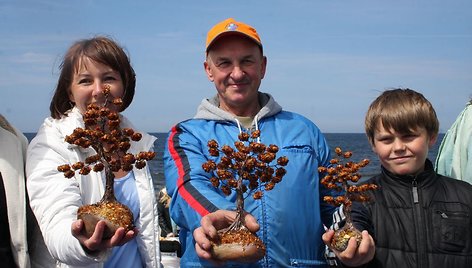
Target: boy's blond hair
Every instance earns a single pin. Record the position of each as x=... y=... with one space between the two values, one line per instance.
x=403 y=110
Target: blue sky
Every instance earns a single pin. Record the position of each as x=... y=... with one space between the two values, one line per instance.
x=327 y=59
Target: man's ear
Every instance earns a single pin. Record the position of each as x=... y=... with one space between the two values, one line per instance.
x=263 y=67
x=206 y=66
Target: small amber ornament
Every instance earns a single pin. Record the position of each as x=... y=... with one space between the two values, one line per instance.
x=343 y=177
x=243 y=169
x=102 y=132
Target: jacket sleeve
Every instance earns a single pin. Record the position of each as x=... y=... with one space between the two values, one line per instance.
x=455 y=152
x=324 y=157
x=193 y=196
x=54 y=198
x=362 y=217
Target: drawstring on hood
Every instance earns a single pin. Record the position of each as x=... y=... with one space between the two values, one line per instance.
x=239 y=125
x=254 y=123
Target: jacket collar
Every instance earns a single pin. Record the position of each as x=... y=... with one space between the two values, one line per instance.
x=209 y=110
x=422 y=179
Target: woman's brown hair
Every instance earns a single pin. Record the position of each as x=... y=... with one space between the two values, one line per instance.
x=99 y=49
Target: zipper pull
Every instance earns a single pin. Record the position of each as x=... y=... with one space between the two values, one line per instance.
x=443 y=215
x=415 y=191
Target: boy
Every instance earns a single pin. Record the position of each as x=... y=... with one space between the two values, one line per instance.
x=418 y=218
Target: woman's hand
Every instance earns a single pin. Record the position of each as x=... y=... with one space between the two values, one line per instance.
x=95 y=243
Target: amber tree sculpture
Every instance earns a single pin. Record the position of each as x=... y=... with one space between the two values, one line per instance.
x=246 y=170
x=343 y=176
x=103 y=133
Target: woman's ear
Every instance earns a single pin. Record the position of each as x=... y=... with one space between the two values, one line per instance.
x=71 y=97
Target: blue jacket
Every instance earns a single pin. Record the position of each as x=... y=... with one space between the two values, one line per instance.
x=290 y=215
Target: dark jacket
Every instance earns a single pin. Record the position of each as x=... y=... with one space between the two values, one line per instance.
x=419 y=221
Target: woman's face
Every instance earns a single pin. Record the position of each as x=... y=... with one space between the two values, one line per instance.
x=88 y=82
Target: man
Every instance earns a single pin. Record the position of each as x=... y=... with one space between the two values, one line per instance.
x=291 y=215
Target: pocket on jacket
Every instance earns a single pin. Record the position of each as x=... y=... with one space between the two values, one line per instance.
x=451 y=228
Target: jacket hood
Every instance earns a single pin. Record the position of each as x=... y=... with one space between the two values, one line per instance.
x=209 y=109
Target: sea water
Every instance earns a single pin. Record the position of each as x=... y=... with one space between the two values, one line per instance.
x=357 y=143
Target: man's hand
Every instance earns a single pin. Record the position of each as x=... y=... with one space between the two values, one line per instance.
x=353 y=255
x=95 y=243
x=211 y=223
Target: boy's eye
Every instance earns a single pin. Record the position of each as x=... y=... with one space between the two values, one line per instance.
x=385 y=140
x=409 y=137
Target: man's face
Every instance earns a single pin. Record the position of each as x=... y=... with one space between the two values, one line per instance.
x=236 y=66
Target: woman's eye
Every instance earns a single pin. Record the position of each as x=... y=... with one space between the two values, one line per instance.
x=84 y=81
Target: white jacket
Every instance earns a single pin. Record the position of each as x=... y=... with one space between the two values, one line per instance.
x=26 y=241
x=55 y=199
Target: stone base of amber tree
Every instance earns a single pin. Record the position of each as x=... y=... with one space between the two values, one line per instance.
x=113 y=213
x=341 y=236
x=238 y=246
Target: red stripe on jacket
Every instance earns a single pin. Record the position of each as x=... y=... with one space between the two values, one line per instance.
x=193 y=203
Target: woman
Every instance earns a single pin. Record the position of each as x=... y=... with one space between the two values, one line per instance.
x=89 y=66
x=21 y=243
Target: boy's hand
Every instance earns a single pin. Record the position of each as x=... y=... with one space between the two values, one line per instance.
x=353 y=255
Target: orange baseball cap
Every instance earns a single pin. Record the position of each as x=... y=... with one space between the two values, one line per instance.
x=231 y=26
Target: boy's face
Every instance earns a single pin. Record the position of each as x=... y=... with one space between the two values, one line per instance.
x=402 y=154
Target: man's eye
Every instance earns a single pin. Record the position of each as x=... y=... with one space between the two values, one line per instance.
x=223 y=64
x=248 y=62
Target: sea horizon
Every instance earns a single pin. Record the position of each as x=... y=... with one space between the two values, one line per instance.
x=357 y=143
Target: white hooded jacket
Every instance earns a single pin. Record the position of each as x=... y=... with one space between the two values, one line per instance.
x=55 y=199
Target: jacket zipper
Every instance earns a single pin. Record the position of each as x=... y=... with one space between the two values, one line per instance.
x=415 y=192
x=419 y=227
x=453 y=214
